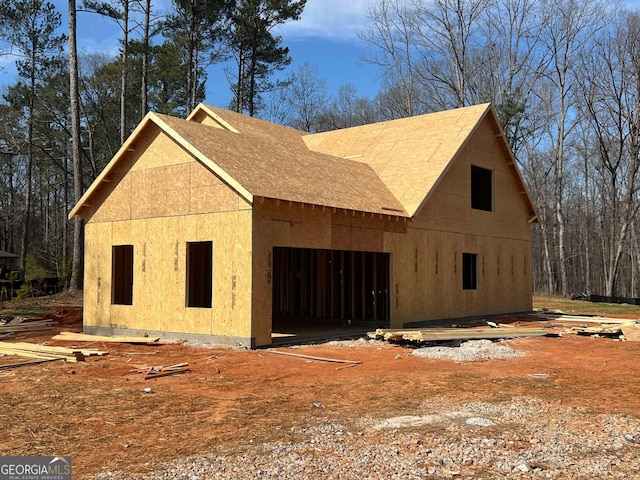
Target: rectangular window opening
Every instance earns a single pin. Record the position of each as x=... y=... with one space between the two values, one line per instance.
x=481 y=188
x=199 y=274
x=469 y=271
x=122 y=275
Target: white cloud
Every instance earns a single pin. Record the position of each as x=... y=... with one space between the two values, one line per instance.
x=334 y=19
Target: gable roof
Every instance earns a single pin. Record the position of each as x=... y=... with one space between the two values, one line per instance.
x=257 y=164
x=283 y=168
x=411 y=155
x=388 y=168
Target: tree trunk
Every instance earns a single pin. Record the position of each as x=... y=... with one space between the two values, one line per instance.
x=77 y=263
x=24 y=240
x=144 y=101
x=123 y=73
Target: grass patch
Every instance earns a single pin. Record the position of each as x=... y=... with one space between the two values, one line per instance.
x=542 y=301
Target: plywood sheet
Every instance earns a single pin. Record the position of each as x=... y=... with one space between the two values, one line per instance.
x=113 y=201
x=97 y=275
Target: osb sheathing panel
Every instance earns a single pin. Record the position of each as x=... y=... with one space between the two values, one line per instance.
x=174 y=253
x=427 y=276
x=173 y=184
x=114 y=200
x=97 y=275
x=160 y=274
x=156 y=149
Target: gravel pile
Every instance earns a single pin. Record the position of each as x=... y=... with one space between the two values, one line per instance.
x=524 y=438
x=470 y=351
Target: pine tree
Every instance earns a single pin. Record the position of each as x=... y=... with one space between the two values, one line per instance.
x=258 y=52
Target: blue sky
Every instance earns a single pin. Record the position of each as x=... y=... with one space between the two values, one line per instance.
x=325 y=37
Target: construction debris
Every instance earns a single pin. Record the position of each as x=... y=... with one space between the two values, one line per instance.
x=47 y=352
x=618 y=328
x=602 y=330
x=83 y=337
x=162 y=370
x=447 y=334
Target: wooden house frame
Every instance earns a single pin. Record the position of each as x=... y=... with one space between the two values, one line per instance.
x=217 y=227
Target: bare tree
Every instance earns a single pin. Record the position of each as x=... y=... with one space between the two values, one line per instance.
x=393 y=38
x=569 y=30
x=610 y=88
x=452 y=47
x=305 y=98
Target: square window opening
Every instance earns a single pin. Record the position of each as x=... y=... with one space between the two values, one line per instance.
x=481 y=188
x=469 y=271
x=199 y=274
x=122 y=275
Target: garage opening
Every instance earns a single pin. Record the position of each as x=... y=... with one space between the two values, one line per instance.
x=330 y=287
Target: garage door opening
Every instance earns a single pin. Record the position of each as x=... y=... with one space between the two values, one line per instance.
x=330 y=288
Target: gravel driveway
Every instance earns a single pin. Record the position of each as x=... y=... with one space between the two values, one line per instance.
x=524 y=437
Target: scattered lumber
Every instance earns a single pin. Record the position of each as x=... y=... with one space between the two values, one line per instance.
x=447 y=334
x=596 y=325
x=162 y=370
x=309 y=357
x=47 y=352
x=607 y=330
x=83 y=337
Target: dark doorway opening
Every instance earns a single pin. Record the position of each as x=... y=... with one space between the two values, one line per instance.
x=339 y=287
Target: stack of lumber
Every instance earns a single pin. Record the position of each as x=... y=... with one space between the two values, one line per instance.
x=46 y=352
x=443 y=334
x=162 y=370
x=83 y=337
x=21 y=324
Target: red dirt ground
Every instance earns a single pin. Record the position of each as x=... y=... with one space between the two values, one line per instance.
x=97 y=412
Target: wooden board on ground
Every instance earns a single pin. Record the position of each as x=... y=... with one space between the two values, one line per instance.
x=582 y=318
x=631 y=332
x=309 y=357
x=443 y=334
x=83 y=337
x=31 y=362
x=162 y=370
x=47 y=352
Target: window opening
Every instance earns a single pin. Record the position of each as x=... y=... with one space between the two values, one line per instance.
x=469 y=271
x=481 y=188
x=122 y=275
x=199 y=274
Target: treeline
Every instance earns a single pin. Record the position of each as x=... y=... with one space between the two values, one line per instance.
x=563 y=75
